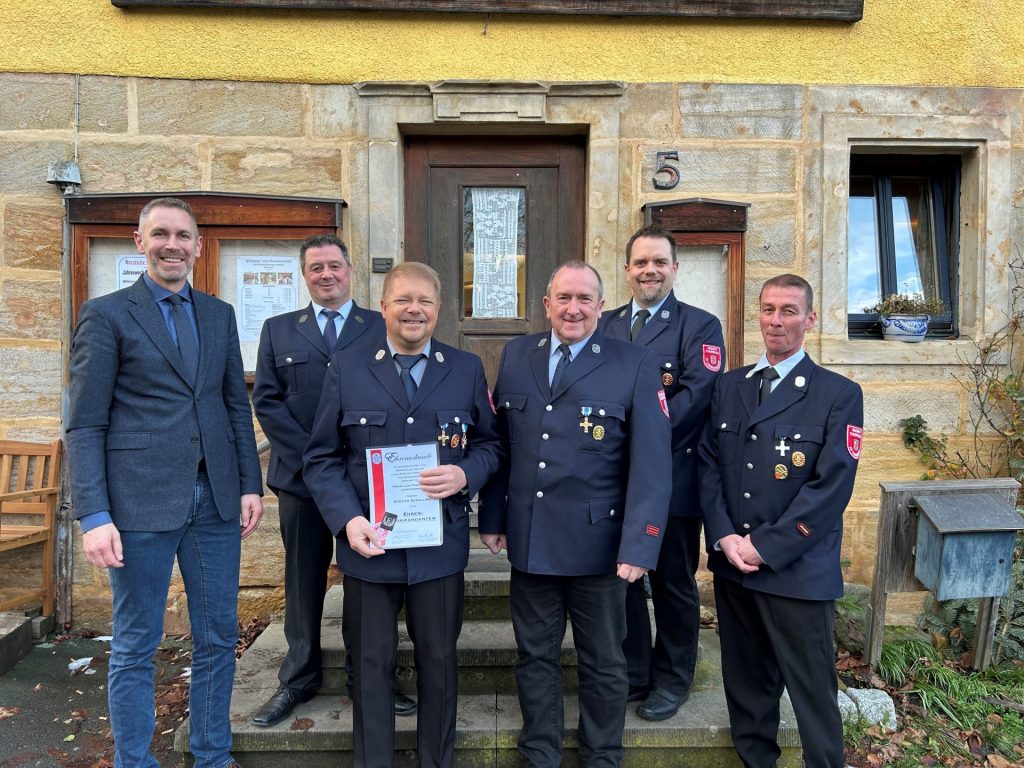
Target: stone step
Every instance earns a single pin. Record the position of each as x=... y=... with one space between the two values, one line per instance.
x=487 y=653
x=319 y=733
x=15 y=638
x=486 y=588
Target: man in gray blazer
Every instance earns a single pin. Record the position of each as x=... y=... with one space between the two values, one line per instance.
x=164 y=466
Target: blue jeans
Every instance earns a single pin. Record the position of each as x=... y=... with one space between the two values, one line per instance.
x=208 y=550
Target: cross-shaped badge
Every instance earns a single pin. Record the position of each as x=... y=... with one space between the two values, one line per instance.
x=443 y=437
x=585 y=411
x=782 y=448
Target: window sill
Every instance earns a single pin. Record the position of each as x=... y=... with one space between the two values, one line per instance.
x=880 y=352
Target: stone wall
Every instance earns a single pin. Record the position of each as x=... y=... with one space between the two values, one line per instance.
x=772 y=146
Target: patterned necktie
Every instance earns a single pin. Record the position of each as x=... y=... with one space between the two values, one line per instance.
x=188 y=347
x=561 y=366
x=330 y=330
x=406 y=363
x=639 y=321
x=768 y=375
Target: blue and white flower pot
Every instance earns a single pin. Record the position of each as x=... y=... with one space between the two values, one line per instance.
x=904 y=327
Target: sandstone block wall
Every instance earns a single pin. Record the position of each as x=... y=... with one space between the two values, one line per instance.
x=766 y=145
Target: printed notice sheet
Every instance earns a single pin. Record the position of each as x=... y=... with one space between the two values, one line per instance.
x=130 y=269
x=400 y=511
x=267 y=286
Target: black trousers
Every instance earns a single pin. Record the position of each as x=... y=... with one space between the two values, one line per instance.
x=768 y=642
x=433 y=615
x=673 y=660
x=540 y=605
x=308 y=549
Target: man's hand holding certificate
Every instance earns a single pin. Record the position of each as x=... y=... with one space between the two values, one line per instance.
x=443 y=481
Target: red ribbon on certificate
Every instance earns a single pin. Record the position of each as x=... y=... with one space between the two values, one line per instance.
x=377 y=473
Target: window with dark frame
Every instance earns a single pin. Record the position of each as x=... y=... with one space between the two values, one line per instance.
x=903 y=224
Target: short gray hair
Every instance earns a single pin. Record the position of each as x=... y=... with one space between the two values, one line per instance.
x=577 y=264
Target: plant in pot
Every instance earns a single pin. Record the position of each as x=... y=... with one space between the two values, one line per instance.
x=905 y=316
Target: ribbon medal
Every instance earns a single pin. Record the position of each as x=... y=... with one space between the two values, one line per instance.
x=585 y=411
x=443 y=437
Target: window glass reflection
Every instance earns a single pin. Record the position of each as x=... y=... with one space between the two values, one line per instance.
x=864 y=281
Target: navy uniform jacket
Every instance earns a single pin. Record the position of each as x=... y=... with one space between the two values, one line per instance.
x=782 y=472
x=290 y=368
x=363 y=405
x=136 y=428
x=580 y=499
x=687 y=342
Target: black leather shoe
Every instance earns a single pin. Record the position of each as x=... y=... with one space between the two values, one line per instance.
x=404 y=706
x=638 y=692
x=661 y=704
x=279 y=706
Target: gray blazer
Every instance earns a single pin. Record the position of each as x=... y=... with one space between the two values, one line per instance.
x=136 y=429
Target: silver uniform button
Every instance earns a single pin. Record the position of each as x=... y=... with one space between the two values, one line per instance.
x=796 y=436
x=612 y=513
x=746 y=495
x=540 y=494
x=362 y=420
x=600 y=412
x=410 y=420
x=753 y=437
x=508 y=404
x=549 y=408
x=724 y=425
x=746 y=526
x=457 y=420
x=689 y=451
x=287 y=359
x=542 y=465
x=544 y=436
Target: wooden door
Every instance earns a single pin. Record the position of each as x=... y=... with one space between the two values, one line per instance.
x=493 y=216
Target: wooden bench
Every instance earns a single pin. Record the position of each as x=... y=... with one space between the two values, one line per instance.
x=28 y=510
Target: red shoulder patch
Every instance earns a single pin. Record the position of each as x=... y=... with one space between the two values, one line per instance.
x=712 y=356
x=854 y=440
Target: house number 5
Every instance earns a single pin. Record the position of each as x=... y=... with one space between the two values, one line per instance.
x=666 y=174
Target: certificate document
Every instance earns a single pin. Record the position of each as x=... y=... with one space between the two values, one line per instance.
x=403 y=514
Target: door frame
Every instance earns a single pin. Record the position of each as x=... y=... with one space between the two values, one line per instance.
x=484 y=108
x=439 y=170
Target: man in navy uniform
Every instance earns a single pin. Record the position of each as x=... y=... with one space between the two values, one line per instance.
x=293 y=354
x=778 y=461
x=688 y=345
x=403 y=388
x=581 y=506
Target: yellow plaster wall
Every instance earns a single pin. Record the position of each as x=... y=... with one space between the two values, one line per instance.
x=899 y=42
